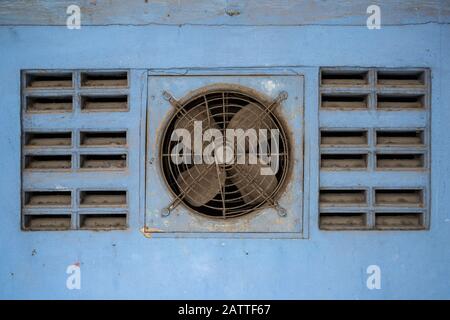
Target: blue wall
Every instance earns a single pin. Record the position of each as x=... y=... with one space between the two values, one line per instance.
x=125 y=264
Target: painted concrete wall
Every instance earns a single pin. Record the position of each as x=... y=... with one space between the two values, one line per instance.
x=125 y=264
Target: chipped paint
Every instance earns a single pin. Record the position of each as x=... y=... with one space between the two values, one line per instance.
x=148 y=232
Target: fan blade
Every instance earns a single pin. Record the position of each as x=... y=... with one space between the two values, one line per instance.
x=251 y=117
x=201 y=183
x=196 y=114
x=254 y=187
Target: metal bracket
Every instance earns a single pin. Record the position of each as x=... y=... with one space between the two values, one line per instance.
x=165 y=212
x=282 y=212
x=168 y=97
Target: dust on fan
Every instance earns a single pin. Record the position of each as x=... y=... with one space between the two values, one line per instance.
x=225 y=188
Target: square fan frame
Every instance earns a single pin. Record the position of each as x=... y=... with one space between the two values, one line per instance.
x=262 y=223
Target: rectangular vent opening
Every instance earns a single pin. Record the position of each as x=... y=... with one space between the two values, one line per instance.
x=342 y=221
x=348 y=77
x=104 y=103
x=48 y=139
x=103 y=221
x=396 y=220
x=104 y=79
x=103 y=161
x=103 y=139
x=49 y=80
x=103 y=198
x=48 y=162
x=344 y=102
x=342 y=197
x=400 y=161
x=399 y=197
x=395 y=102
x=345 y=138
x=49 y=104
x=47 y=222
x=47 y=199
x=343 y=161
x=401 y=78
x=400 y=138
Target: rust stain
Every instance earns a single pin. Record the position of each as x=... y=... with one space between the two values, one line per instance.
x=148 y=231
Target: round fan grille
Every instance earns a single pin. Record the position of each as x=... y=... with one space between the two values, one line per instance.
x=224 y=188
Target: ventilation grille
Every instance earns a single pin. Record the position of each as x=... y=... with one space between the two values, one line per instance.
x=103 y=139
x=104 y=79
x=49 y=80
x=47 y=222
x=344 y=101
x=48 y=162
x=71 y=142
x=400 y=102
x=330 y=138
x=44 y=93
x=48 y=199
x=343 y=161
x=342 y=197
x=401 y=78
x=49 y=104
x=343 y=220
x=414 y=138
x=113 y=103
x=374 y=149
x=103 y=221
x=344 y=77
x=345 y=209
x=103 y=198
x=400 y=161
x=48 y=139
x=103 y=161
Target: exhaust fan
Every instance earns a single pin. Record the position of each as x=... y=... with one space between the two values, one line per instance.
x=221 y=153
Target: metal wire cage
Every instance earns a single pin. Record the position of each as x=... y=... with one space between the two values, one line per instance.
x=225 y=188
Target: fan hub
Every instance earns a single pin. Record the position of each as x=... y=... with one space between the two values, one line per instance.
x=224 y=154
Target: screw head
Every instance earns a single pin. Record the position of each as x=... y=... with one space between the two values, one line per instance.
x=282 y=212
x=165 y=212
